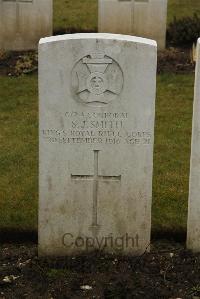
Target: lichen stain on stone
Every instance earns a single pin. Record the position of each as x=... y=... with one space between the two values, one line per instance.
x=62 y=210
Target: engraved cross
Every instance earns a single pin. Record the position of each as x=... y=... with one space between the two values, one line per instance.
x=96 y=178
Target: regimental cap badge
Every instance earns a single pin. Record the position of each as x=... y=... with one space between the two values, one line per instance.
x=97 y=78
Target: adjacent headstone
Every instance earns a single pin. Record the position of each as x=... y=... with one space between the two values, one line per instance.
x=24 y=22
x=145 y=18
x=193 y=232
x=96 y=143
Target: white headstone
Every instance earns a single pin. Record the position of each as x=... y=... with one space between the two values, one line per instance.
x=145 y=18
x=97 y=94
x=193 y=231
x=24 y=22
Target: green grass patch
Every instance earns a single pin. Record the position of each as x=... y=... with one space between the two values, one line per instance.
x=77 y=14
x=172 y=151
x=83 y=14
x=182 y=8
x=19 y=152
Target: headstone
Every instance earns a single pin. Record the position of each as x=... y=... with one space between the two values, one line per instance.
x=96 y=143
x=24 y=22
x=145 y=18
x=193 y=231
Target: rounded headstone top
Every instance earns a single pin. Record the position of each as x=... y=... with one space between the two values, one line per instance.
x=108 y=36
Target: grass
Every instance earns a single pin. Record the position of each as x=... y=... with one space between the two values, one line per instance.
x=182 y=8
x=19 y=152
x=172 y=151
x=82 y=14
x=77 y=14
x=19 y=122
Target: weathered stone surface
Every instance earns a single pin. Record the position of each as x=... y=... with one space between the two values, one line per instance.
x=97 y=94
x=24 y=22
x=145 y=18
x=193 y=232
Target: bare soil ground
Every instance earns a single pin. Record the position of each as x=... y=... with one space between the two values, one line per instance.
x=175 y=60
x=168 y=271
